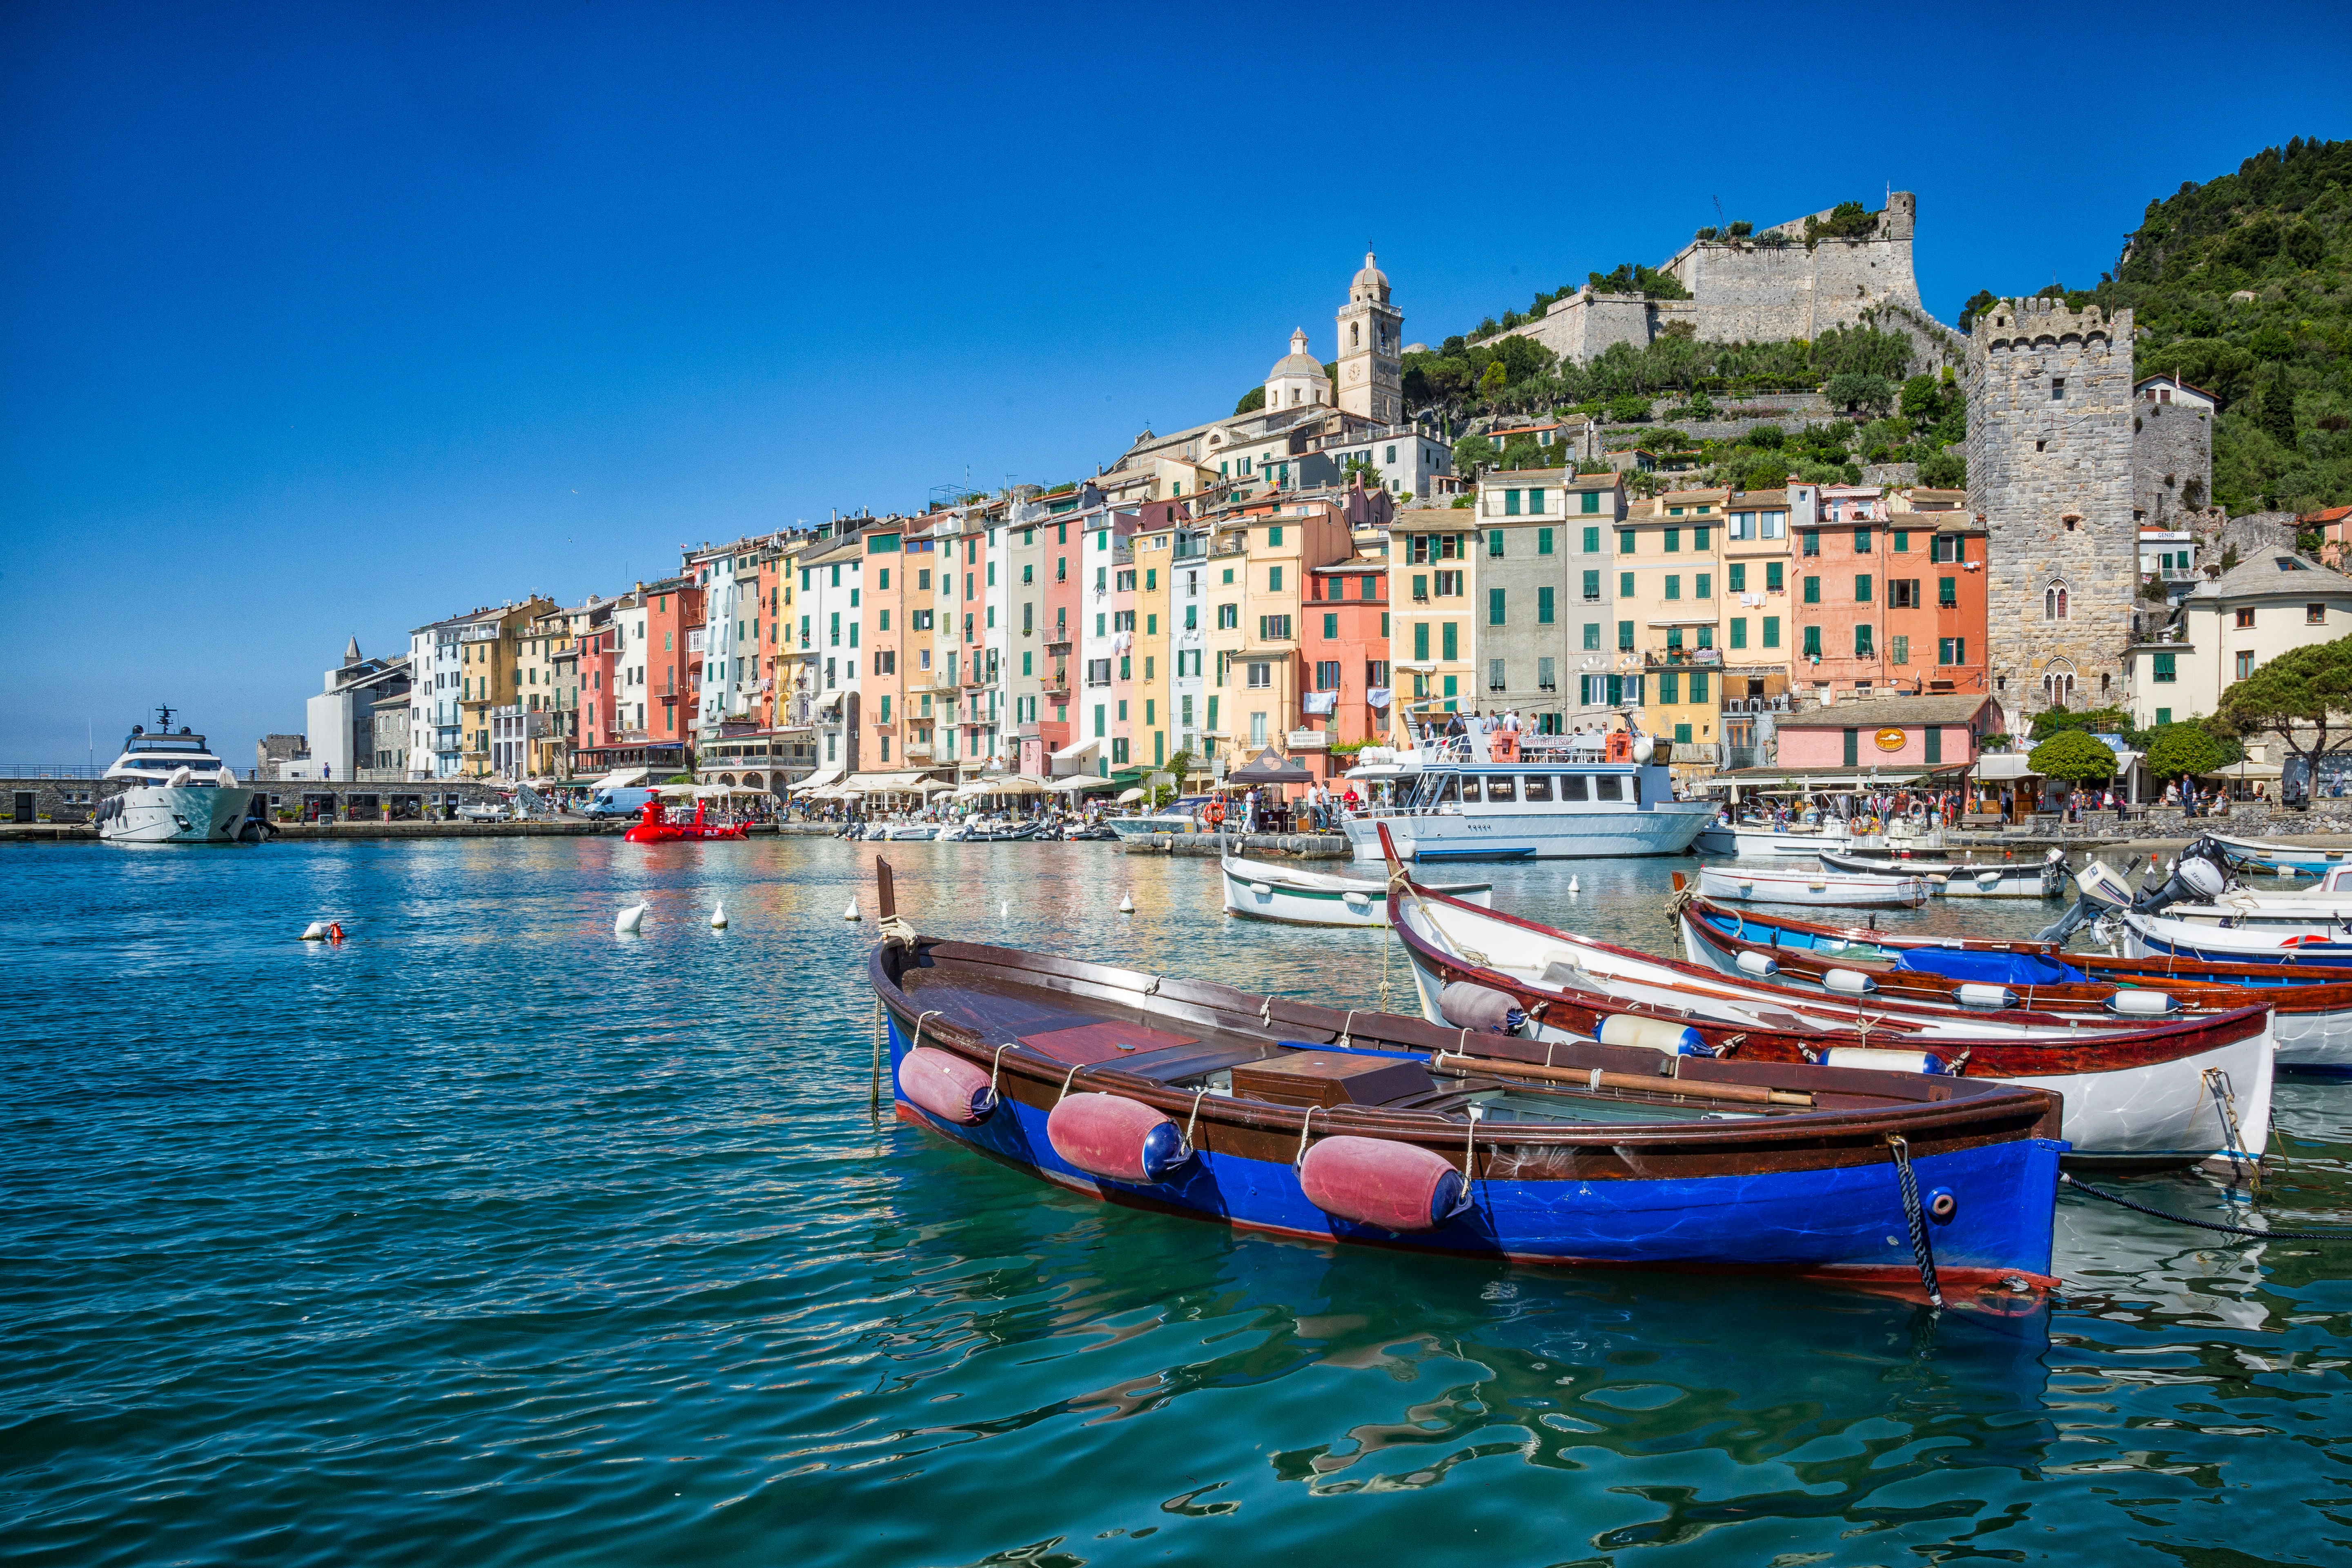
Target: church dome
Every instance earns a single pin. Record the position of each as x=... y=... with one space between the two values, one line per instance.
x=1371 y=281
x=1298 y=361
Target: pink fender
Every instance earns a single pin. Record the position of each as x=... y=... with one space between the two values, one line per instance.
x=1116 y=1137
x=1394 y=1187
x=949 y=1086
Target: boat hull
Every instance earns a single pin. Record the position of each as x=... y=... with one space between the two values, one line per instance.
x=1665 y=828
x=1266 y=893
x=161 y=814
x=1843 y=1223
x=1816 y=889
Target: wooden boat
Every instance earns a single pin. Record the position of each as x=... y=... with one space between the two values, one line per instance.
x=2311 y=1007
x=2307 y=941
x=2156 y=1095
x=1269 y=892
x=1195 y=1099
x=1963 y=879
x=1815 y=889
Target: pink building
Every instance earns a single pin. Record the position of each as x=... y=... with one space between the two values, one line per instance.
x=1904 y=735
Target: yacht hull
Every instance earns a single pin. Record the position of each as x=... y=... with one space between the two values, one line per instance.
x=1666 y=828
x=160 y=813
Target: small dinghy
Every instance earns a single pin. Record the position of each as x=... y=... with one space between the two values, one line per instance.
x=1195 y=1099
x=1963 y=878
x=1268 y=893
x=1765 y=884
x=2280 y=860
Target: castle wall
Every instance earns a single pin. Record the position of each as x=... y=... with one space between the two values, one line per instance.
x=2052 y=479
x=2172 y=443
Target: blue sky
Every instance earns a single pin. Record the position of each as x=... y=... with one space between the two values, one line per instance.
x=324 y=321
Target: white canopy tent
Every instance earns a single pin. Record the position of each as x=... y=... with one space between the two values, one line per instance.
x=622 y=778
x=824 y=778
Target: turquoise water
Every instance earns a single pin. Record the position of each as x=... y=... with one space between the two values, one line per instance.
x=490 y=1237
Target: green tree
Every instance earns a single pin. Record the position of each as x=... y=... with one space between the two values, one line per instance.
x=1768 y=436
x=1251 y=400
x=1923 y=401
x=2278 y=408
x=1873 y=393
x=2184 y=751
x=2304 y=696
x=1471 y=454
x=1494 y=379
x=1944 y=470
x=1765 y=475
x=2073 y=755
x=1628 y=408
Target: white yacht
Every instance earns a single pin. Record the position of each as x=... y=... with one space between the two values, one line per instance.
x=177 y=792
x=1564 y=797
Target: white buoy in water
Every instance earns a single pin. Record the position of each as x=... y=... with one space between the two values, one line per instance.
x=1004 y=908
x=719 y=917
x=1572 y=886
x=315 y=931
x=851 y=913
x=628 y=920
x=1126 y=904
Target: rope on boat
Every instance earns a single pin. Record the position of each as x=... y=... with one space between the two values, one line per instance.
x=995 y=1066
x=1470 y=1146
x=1305 y=1122
x=1194 y=1120
x=2119 y=1199
x=1067 y=1082
x=1345 y=1039
x=2225 y=1101
x=874 y=1088
x=1921 y=1252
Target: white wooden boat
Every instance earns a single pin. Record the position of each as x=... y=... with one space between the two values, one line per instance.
x=2174 y=934
x=2167 y=1091
x=2283 y=859
x=1285 y=893
x=1821 y=889
x=1964 y=878
x=1759 y=840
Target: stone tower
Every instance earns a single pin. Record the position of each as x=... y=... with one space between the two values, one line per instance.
x=2050 y=471
x=1371 y=343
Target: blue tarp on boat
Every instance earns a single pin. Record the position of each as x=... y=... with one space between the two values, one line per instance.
x=1993 y=968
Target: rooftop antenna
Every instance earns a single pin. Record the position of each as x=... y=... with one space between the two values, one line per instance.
x=1720 y=221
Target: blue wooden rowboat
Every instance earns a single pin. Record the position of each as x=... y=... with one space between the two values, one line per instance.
x=1196 y=1099
x=2286 y=859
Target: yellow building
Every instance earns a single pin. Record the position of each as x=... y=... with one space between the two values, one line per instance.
x=1256 y=569
x=490 y=675
x=1429 y=576
x=1670 y=577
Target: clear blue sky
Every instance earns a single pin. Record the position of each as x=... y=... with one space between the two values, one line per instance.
x=320 y=320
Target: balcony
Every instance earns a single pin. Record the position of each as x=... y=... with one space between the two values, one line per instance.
x=1058 y=645
x=1307 y=741
x=915 y=749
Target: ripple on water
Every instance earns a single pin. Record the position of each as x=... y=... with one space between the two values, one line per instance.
x=492 y=1238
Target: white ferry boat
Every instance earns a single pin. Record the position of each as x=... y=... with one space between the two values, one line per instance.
x=1565 y=798
x=179 y=793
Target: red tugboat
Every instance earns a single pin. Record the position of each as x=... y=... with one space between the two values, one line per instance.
x=654 y=827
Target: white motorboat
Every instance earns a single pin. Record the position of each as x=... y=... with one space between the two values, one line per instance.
x=1285 y=893
x=1964 y=878
x=1817 y=890
x=1565 y=798
x=177 y=792
x=2322 y=941
x=898 y=831
x=1183 y=816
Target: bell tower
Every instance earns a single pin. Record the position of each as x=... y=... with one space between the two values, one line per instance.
x=1371 y=345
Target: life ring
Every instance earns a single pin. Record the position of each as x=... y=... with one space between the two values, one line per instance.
x=2306 y=942
x=1216 y=814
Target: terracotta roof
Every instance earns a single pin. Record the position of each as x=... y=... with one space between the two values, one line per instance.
x=1882 y=712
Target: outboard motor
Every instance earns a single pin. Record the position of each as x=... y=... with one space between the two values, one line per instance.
x=2098 y=891
x=2199 y=877
x=2054 y=872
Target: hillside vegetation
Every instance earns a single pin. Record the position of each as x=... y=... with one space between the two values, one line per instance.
x=2239 y=286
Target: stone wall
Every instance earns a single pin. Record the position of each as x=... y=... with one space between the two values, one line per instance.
x=2172 y=462
x=2052 y=479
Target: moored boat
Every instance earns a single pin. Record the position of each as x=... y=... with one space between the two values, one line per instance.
x=1813 y=889
x=176 y=791
x=1195 y=1099
x=1963 y=879
x=2311 y=1007
x=2284 y=859
x=1294 y=897
x=2162 y=1093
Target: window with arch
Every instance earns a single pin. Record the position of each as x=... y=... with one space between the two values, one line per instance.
x=2058 y=685
x=2054 y=602
x=1355 y=334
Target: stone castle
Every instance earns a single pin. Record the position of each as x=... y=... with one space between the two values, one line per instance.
x=2052 y=473
x=1767 y=286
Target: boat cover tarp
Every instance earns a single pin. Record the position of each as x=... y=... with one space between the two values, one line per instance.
x=1993 y=968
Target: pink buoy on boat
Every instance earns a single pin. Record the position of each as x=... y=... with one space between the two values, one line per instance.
x=1395 y=1186
x=1116 y=1137
x=947 y=1086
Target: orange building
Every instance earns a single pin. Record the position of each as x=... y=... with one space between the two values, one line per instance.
x=1889 y=599
x=1344 y=644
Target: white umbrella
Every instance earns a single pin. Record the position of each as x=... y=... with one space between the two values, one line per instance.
x=1129 y=797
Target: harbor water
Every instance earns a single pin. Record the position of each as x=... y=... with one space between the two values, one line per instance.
x=489 y=1237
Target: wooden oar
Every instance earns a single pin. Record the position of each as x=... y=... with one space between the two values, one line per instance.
x=1589 y=1077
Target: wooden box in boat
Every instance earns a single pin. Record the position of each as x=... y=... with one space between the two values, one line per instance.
x=1577 y=1154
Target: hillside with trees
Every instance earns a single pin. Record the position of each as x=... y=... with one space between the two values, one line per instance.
x=2243 y=285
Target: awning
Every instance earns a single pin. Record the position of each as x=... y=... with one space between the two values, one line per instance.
x=622 y=778
x=2242 y=770
x=831 y=700
x=1077 y=784
x=2007 y=765
x=886 y=784
x=1077 y=748
x=828 y=774
x=1267 y=768
x=1015 y=783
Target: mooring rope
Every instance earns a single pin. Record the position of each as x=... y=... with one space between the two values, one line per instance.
x=1921 y=1252
x=2120 y=1200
